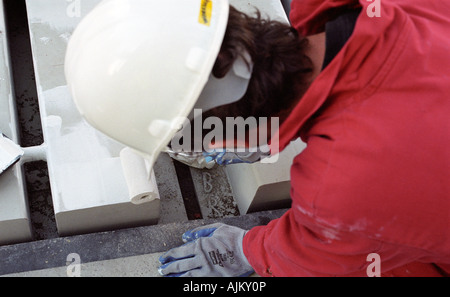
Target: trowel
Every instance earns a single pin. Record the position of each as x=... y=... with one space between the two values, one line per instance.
x=10 y=153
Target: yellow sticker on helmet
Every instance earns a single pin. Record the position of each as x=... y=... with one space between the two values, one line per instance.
x=205 y=12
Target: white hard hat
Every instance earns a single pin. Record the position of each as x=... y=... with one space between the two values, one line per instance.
x=135 y=68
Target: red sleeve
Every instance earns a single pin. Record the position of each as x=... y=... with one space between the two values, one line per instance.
x=309 y=16
x=324 y=252
x=286 y=247
x=299 y=243
x=332 y=236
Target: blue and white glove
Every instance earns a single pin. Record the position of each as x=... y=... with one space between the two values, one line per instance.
x=216 y=157
x=213 y=250
x=224 y=157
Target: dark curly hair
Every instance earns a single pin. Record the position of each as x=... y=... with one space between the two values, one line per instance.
x=281 y=71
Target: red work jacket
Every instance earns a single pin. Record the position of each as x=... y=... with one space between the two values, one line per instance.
x=375 y=176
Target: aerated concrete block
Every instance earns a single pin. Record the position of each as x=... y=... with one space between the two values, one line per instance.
x=89 y=190
x=262 y=186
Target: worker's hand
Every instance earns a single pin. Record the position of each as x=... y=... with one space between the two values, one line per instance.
x=213 y=250
x=224 y=157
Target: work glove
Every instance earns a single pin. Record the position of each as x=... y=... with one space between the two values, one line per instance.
x=213 y=250
x=223 y=157
x=193 y=159
x=216 y=157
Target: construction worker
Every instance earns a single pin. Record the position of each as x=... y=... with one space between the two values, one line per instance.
x=366 y=85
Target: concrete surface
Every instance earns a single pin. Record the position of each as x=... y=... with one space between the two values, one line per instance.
x=125 y=245
x=136 y=266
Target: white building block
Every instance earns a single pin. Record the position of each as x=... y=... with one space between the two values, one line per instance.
x=262 y=186
x=89 y=190
x=14 y=215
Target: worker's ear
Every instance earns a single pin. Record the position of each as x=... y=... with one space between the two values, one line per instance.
x=223 y=64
